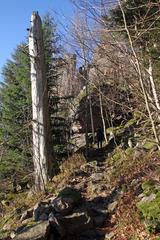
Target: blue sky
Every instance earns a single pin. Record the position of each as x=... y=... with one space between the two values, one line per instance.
x=15 y=19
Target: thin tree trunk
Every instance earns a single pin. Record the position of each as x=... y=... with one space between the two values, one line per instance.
x=140 y=76
x=86 y=122
x=102 y=116
x=150 y=72
x=41 y=156
x=91 y=116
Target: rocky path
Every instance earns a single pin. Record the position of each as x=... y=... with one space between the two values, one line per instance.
x=81 y=211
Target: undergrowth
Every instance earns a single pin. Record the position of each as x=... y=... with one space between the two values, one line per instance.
x=135 y=174
x=14 y=204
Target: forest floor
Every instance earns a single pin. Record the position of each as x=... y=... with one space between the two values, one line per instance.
x=123 y=184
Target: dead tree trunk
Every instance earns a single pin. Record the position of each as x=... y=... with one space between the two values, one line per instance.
x=41 y=141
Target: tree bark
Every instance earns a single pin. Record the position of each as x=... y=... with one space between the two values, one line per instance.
x=86 y=123
x=41 y=142
x=91 y=117
x=102 y=115
x=150 y=72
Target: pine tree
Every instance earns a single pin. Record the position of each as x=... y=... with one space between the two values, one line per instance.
x=58 y=106
x=15 y=108
x=15 y=95
x=16 y=111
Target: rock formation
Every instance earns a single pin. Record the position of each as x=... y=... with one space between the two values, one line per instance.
x=67 y=76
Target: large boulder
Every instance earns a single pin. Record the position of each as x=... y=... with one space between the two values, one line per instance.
x=62 y=205
x=69 y=192
x=73 y=224
x=66 y=200
x=40 y=231
x=41 y=210
x=98 y=216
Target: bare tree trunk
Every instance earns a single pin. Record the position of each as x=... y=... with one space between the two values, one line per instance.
x=86 y=122
x=91 y=116
x=102 y=116
x=41 y=141
x=150 y=72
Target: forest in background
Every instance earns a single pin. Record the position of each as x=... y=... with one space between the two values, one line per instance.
x=116 y=47
x=109 y=77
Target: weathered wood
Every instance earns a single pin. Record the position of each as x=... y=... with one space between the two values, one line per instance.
x=41 y=142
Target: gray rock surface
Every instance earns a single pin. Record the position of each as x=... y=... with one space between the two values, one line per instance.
x=64 y=205
x=112 y=206
x=68 y=215
x=149 y=198
x=40 y=231
x=27 y=214
x=39 y=209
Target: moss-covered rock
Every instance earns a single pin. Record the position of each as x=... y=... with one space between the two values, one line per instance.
x=129 y=151
x=4 y=234
x=149 y=187
x=116 y=156
x=150 y=211
x=114 y=130
x=148 y=145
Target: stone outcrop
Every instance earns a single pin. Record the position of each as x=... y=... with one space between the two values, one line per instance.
x=39 y=231
x=70 y=215
x=67 y=76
